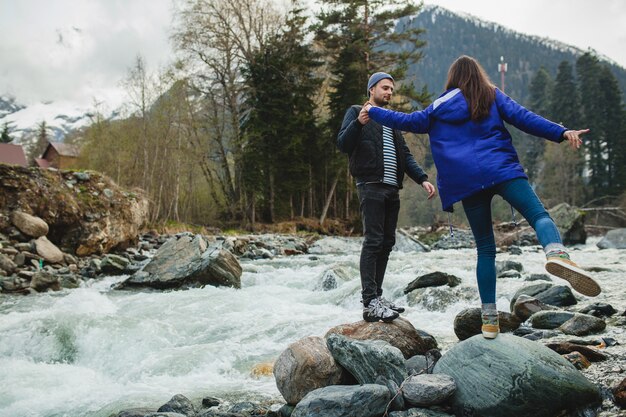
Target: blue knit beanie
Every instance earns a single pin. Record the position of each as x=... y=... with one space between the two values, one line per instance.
x=375 y=78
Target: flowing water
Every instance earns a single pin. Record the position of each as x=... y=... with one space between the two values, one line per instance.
x=93 y=351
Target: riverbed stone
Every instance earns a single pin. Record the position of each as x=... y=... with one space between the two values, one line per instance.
x=48 y=250
x=614 y=239
x=29 y=225
x=503 y=266
x=6 y=264
x=419 y=412
x=304 y=366
x=399 y=333
x=366 y=360
x=43 y=280
x=583 y=325
x=178 y=404
x=342 y=400
x=619 y=393
x=531 y=290
x=428 y=389
x=571 y=223
x=525 y=306
x=599 y=310
x=112 y=264
x=558 y=295
x=332 y=278
x=433 y=279
x=550 y=319
x=135 y=412
x=532 y=380
x=469 y=322
x=591 y=353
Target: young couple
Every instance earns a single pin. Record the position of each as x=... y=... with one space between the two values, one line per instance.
x=475 y=160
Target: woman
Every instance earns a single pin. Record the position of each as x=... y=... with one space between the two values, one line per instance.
x=475 y=160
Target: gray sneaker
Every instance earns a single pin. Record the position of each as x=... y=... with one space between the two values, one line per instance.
x=376 y=311
x=391 y=305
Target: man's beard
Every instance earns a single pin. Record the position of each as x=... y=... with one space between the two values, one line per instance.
x=381 y=102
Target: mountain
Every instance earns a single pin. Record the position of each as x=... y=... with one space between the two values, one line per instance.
x=450 y=34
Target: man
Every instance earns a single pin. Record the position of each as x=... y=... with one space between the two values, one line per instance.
x=379 y=158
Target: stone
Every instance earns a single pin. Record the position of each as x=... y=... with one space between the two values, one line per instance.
x=441 y=298
x=399 y=333
x=43 y=280
x=29 y=225
x=433 y=279
x=525 y=306
x=113 y=264
x=509 y=274
x=530 y=290
x=614 y=239
x=135 y=412
x=503 y=266
x=20 y=259
x=428 y=389
x=178 y=404
x=304 y=366
x=538 y=277
x=210 y=402
x=469 y=322
x=332 y=278
x=397 y=400
x=599 y=310
x=558 y=295
x=6 y=264
x=619 y=393
x=368 y=359
x=550 y=319
x=48 y=251
x=419 y=412
x=532 y=380
x=341 y=401
x=571 y=223
x=187 y=262
x=583 y=325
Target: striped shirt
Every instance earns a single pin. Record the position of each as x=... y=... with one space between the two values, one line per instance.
x=389 y=157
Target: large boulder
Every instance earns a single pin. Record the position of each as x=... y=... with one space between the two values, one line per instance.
x=570 y=222
x=368 y=359
x=91 y=218
x=29 y=225
x=614 y=239
x=369 y=400
x=433 y=279
x=304 y=366
x=399 y=333
x=512 y=376
x=187 y=261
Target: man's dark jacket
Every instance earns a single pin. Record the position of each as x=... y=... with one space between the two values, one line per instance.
x=364 y=145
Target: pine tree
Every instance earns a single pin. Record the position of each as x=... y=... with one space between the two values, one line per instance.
x=42 y=140
x=5 y=136
x=279 y=129
x=561 y=179
x=540 y=94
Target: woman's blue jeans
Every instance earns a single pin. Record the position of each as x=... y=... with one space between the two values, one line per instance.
x=521 y=196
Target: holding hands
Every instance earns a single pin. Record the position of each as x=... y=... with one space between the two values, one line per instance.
x=364 y=116
x=430 y=189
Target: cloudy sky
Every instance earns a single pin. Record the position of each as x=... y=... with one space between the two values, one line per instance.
x=79 y=50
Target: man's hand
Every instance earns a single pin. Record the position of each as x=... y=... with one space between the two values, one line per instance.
x=429 y=188
x=573 y=137
x=364 y=116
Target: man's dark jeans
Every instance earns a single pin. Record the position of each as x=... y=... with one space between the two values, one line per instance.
x=380 y=204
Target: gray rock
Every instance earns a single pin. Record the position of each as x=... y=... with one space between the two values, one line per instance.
x=165 y=414
x=532 y=380
x=530 y=290
x=43 y=280
x=583 y=325
x=440 y=298
x=6 y=264
x=304 y=366
x=178 y=404
x=502 y=266
x=538 y=277
x=114 y=264
x=342 y=401
x=428 y=389
x=509 y=274
x=210 y=402
x=514 y=250
x=135 y=412
x=525 y=306
x=417 y=364
x=550 y=319
x=614 y=239
x=419 y=412
x=397 y=400
x=186 y=262
x=469 y=322
x=460 y=240
x=571 y=223
x=48 y=251
x=332 y=278
x=434 y=279
x=82 y=176
x=246 y=408
x=367 y=360
x=29 y=225
x=559 y=295
x=599 y=310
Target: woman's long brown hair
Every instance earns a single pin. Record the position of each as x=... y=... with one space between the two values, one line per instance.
x=469 y=76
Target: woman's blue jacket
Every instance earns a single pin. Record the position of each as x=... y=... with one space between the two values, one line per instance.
x=470 y=155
